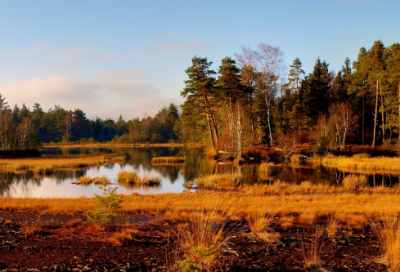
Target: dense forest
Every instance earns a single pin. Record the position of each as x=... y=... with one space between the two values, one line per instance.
x=252 y=99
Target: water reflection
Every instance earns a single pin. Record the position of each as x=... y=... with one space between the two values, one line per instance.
x=174 y=177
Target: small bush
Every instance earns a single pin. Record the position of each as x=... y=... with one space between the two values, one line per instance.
x=199 y=257
x=354 y=182
x=110 y=201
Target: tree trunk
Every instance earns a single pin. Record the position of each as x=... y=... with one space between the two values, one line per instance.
x=383 y=117
x=208 y=120
x=376 y=112
x=268 y=117
x=252 y=122
x=362 y=129
x=239 y=133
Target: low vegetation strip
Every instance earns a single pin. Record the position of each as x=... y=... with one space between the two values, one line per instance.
x=167 y=160
x=48 y=164
x=219 y=180
x=358 y=162
x=131 y=177
x=175 y=204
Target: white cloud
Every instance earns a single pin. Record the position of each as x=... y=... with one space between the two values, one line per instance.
x=108 y=93
x=190 y=45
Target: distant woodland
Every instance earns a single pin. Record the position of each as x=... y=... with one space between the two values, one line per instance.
x=253 y=98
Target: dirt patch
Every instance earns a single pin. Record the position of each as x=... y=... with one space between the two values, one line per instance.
x=63 y=247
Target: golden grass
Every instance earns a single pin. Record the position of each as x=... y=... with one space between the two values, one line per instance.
x=204 y=228
x=127 y=177
x=123 y=237
x=388 y=233
x=286 y=221
x=84 y=180
x=267 y=170
x=167 y=160
x=344 y=204
x=311 y=252
x=46 y=165
x=219 y=180
x=354 y=182
x=307 y=218
x=363 y=163
x=131 y=177
x=259 y=221
x=332 y=226
x=101 y=180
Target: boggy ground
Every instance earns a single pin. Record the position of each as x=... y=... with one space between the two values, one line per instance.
x=75 y=246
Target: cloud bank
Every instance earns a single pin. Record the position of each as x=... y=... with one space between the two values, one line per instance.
x=108 y=93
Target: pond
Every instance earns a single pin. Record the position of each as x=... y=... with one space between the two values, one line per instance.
x=174 y=177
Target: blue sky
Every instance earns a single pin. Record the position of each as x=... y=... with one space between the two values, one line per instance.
x=129 y=57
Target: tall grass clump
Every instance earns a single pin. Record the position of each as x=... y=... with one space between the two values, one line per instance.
x=219 y=180
x=203 y=236
x=127 y=177
x=388 y=233
x=267 y=170
x=101 y=180
x=84 y=180
x=259 y=221
x=311 y=252
x=354 y=182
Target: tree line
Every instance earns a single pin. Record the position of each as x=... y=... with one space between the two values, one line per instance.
x=24 y=127
x=251 y=100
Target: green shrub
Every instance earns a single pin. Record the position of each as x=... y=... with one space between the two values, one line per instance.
x=198 y=257
x=110 y=201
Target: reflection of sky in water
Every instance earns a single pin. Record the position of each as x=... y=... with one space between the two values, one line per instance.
x=49 y=187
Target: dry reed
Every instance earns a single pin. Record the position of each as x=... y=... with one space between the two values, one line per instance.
x=127 y=177
x=259 y=221
x=311 y=252
x=363 y=163
x=388 y=233
x=354 y=182
x=217 y=180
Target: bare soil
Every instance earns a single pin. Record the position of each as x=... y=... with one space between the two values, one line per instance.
x=58 y=247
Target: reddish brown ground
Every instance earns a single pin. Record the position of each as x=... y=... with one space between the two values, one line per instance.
x=82 y=248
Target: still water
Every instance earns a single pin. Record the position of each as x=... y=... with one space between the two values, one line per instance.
x=174 y=177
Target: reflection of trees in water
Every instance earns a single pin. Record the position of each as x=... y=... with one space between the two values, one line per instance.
x=10 y=180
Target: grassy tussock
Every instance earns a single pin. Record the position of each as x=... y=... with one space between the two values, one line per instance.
x=123 y=237
x=267 y=170
x=131 y=177
x=219 y=180
x=259 y=221
x=332 y=226
x=46 y=165
x=311 y=250
x=286 y=221
x=86 y=180
x=388 y=233
x=205 y=229
x=127 y=177
x=363 y=163
x=167 y=160
x=101 y=180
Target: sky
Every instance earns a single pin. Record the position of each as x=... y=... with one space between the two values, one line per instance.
x=129 y=57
